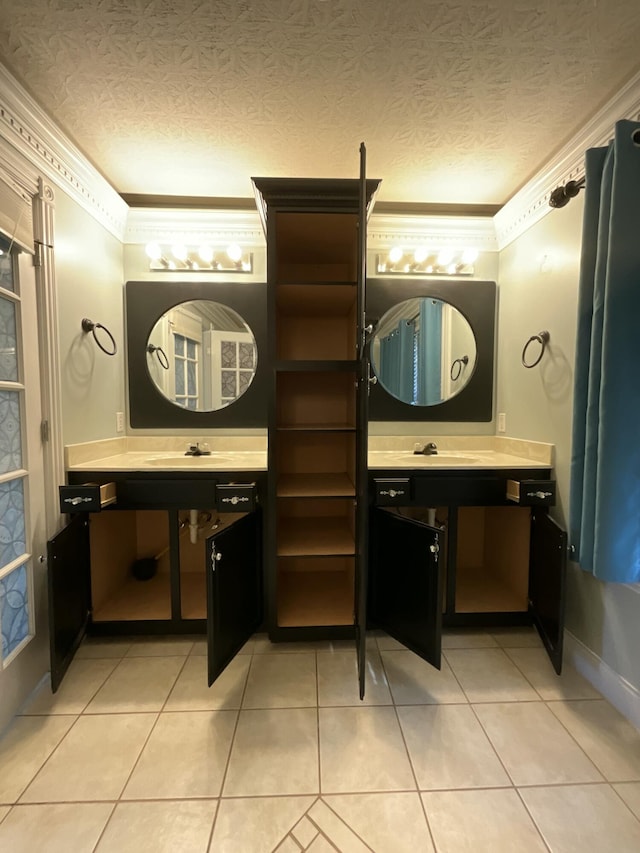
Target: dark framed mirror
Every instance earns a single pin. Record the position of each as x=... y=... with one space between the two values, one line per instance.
x=431 y=349
x=196 y=354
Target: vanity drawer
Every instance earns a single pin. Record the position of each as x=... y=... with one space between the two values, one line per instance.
x=88 y=497
x=532 y=492
x=390 y=492
x=166 y=494
x=236 y=497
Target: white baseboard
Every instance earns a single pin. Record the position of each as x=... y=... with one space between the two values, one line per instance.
x=616 y=689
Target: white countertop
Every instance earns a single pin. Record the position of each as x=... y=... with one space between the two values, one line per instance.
x=238 y=460
x=467 y=460
x=238 y=453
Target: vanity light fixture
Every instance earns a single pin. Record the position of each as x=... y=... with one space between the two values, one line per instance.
x=180 y=258
x=424 y=261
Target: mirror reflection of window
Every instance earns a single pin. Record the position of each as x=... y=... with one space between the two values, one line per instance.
x=423 y=351
x=213 y=355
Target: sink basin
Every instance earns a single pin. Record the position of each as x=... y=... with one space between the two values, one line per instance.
x=442 y=458
x=173 y=460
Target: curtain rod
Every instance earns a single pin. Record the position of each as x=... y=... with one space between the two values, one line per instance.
x=562 y=195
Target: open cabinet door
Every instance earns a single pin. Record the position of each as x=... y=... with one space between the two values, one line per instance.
x=234 y=590
x=547 y=579
x=68 y=566
x=362 y=435
x=406 y=581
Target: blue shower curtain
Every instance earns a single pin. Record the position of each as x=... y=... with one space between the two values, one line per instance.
x=396 y=361
x=430 y=353
x=605 y=464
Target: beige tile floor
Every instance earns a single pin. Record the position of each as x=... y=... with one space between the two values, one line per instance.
x=492 y=753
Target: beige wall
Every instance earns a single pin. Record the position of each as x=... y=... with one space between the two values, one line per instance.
x=89 y=278
x=538 y=279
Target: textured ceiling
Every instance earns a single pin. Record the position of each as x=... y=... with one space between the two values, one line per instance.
x=458 y=102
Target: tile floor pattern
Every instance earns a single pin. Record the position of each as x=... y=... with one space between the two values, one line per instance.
x=493 y=752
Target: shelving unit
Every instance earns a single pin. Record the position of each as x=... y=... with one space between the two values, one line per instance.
x=315 y=400
x=315 y=435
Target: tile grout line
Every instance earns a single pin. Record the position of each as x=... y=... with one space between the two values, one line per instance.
x=342 y=820
x=408 y=753
x=318 y=727
x=574 y=739
x=621 y=798
x=223 y=781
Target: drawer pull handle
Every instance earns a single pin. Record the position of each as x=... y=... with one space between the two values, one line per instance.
x=236 y=499
x=539 y=494
x=77 y=500
x=392 y=493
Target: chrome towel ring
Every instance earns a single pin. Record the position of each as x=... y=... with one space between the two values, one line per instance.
x=460 y=363
x=543 y=339
x=90 y=326
x=160 y=355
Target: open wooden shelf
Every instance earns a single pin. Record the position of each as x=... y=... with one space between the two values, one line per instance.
x=315 y=400
x=315 y=598
x=324 y=299
x=315 y=485
x=317 y=427
x=300 y=536
x=315 y=452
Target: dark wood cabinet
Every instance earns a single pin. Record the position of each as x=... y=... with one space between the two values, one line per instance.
x=142 y=564
x=316 y=518
x=502 y=563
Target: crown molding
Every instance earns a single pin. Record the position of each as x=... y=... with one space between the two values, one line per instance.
x=531 y=203
x=460 y=232
x=45 y=151
x=189 y=226
x=28 y=129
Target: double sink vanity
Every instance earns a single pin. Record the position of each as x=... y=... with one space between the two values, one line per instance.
x=460 y=536
x=314 y=527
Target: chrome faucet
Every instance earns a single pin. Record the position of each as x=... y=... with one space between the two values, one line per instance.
x=197 y=449
x=429 y=449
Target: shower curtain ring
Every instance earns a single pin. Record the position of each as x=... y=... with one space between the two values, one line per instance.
x=543 y=339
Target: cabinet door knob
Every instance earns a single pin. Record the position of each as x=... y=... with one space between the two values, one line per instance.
x=435 y=549
x=216 y=556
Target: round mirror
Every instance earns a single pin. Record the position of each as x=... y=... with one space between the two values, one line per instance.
x=201 y=355
x=423 y=351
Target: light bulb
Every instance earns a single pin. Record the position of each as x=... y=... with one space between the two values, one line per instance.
x=179 y=252
x=469 y=256
x=153 y=251
x=206 y=254
x=395 y=254
x=420 y=254
x=234 y=252
x=445 y=256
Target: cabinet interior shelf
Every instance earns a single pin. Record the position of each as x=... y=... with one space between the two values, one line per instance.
x=317 y=427
x=315 y=365
x=327 y=299
x=315 y=485
x=315 y=598
x=323 y=535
